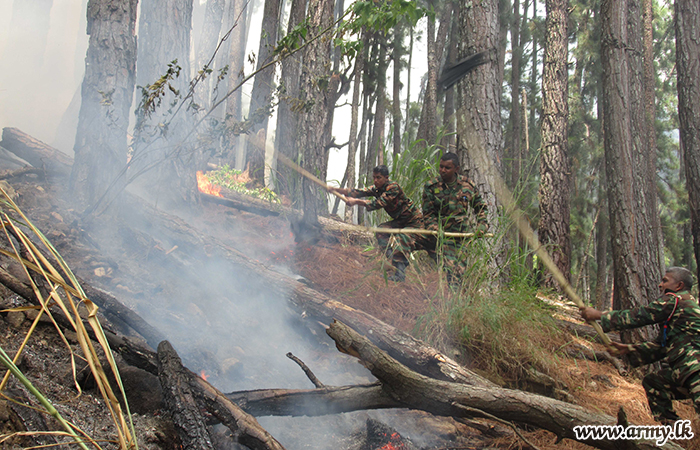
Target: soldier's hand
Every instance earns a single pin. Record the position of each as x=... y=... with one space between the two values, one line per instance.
x=622 y=349
x=590 y=314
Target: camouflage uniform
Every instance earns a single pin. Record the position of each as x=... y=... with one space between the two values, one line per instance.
x=679 y=344
x=403 y=212
x=450 y=207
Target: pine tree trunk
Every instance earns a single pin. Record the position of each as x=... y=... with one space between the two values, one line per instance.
x=164 y=37
x=285 y=142
x=354 y=115
x=237 y=13
x=555 y=176
x=448 y=140
x=260 y=99
x=688 y=65
x=396 y=104
x=208 y=40
x=427 y=127
x=107 y=90
x=313 y=119
x=516 y=114
x=620 y=102
x=478 y=107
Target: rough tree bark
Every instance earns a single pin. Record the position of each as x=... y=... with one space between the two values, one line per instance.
x=623 y=107
x=107 y=90
x=688 y=64
x=318 y=107
x=555 y=176
x=478 y=106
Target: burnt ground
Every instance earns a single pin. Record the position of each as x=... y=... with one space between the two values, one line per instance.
x=230 y=333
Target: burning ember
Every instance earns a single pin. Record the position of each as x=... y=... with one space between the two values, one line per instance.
x=205 y=186
x=203 y=375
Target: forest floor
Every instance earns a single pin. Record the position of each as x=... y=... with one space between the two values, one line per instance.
x=350 y=272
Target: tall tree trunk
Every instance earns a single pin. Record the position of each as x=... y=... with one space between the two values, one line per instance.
x=478 y=106
x=237 y=12
x=107 y=90
x=555 y=177
x=285 y=142
x=619 y=105
x=427 y=127
x=376 y=143
x=688 y=65
x=534 y=143
x=164 y=36
x=396 y=105
x=208 y=40
x=448 y=140
x=354 y=114
x=260 y=99
x=313 y=120
x=408 y=88
x=516 y=114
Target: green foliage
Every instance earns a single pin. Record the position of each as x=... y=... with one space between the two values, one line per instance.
x=232 y=179
x=503 y=333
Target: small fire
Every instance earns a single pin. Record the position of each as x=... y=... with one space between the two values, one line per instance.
x=205 y=186
x=203 y=375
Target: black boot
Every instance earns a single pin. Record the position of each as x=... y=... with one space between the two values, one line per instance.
x=400 y=274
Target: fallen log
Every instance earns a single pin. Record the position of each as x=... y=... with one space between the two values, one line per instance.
x=39 y=155
x=179 y=400
x=182 y=389
x=417 y=391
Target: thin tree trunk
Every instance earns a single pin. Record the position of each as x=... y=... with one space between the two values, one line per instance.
x=448 y=140
x=427 y=127
x=260 y=99
x=688 y=64
x=555 y=175
x=515 y=118
x=354 y=113
x=408 y=88
x=396 y=105
x=237 y=13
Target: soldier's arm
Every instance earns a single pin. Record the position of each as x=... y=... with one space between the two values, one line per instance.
x=388 y=197
x=429 y=213
x=655 y=312
x=646 y=353
x=359 y=193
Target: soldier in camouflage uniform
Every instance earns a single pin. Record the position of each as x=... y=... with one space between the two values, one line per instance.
x=448 y=202
x=388 y=194
x=678 y=343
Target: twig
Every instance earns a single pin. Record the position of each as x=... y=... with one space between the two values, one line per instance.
x=492 y=417
x=306 y=370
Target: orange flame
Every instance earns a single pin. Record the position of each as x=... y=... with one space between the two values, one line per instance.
x=203 y=375
x=205 y=186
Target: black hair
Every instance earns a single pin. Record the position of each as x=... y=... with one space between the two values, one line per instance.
x=381 y=170
x=681 y=274
x=451 y=157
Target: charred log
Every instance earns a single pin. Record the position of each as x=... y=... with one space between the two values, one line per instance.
x=183 y=389
x=179 y=400
x=30 y=418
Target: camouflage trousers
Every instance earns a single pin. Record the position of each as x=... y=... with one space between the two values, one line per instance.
x=398 y=246
x=453 y=252
x=663 y=386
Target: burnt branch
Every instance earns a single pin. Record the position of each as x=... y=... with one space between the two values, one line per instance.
x=306 y=370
